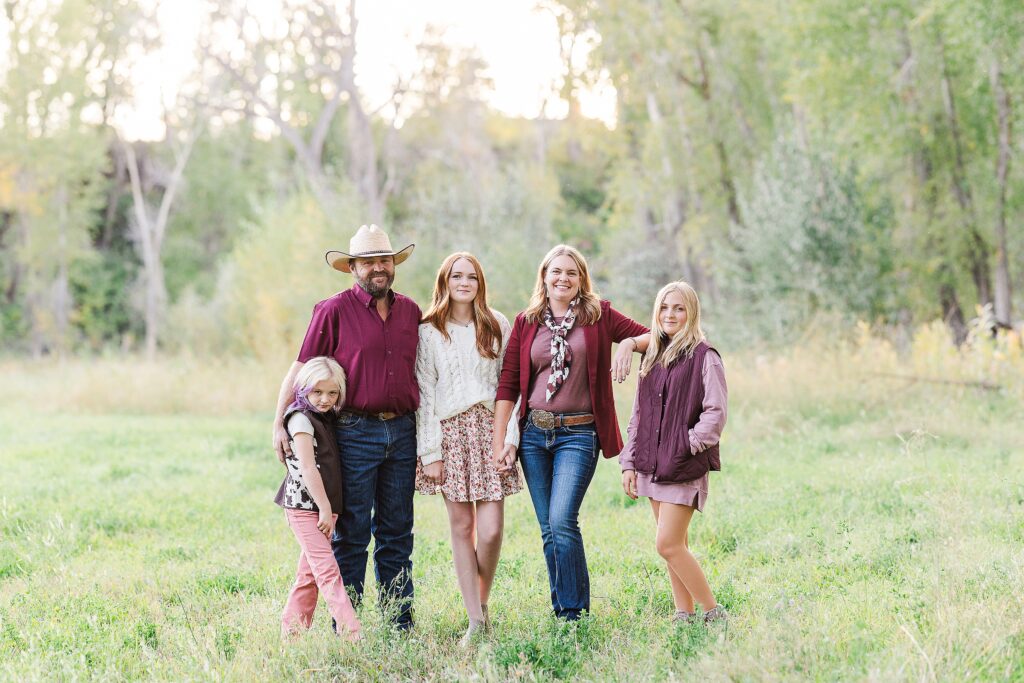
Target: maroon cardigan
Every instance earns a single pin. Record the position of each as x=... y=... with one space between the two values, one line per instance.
x=612 y=327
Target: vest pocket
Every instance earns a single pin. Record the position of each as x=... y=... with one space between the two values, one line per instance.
x=687 y=467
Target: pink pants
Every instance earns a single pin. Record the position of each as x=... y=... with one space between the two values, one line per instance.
x=317 y=573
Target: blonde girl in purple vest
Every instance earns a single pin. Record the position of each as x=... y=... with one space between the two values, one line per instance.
x=678 y=417
x=311 y=497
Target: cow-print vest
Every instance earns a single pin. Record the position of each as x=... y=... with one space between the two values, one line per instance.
x=293 y=492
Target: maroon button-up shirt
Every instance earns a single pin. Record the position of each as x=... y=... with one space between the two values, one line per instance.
x=379 y=356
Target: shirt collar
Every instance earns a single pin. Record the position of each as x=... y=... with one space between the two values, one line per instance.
x=366 y=300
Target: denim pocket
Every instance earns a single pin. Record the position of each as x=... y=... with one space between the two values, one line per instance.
x=582 y=429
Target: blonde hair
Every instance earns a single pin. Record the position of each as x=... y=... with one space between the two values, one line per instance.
x=665 y=350
x=317 y=370
x=588 y=310
x=488 y=330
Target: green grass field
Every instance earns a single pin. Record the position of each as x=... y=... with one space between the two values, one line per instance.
x=865 y=531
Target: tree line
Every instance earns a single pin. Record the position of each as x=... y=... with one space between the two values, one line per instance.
x=801 y=162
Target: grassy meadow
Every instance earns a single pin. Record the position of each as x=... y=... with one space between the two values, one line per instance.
x=864 y=527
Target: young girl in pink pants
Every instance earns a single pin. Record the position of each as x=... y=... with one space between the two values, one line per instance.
x=311 y=494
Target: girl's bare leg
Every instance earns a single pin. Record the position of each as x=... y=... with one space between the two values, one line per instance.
x=461 y=519
x=672 y=543
x=680 y=596
x=490 y=523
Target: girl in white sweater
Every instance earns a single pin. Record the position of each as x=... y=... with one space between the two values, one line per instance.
x=458 y=360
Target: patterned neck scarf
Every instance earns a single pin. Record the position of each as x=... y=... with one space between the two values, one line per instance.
x=561 y=352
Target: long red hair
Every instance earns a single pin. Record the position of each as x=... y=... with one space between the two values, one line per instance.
x=488 y=330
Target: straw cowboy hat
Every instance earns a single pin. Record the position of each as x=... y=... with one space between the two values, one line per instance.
x=368 y=242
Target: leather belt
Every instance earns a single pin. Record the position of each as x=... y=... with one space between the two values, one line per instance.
x=378 y=416
x=542 y=419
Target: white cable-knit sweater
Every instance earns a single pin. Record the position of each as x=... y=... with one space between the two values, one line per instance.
x=453 y=377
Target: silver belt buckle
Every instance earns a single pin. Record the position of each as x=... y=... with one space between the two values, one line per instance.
x=543 y=419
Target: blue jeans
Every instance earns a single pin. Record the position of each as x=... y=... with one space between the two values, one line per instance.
x=558 y=465
x=378 y=470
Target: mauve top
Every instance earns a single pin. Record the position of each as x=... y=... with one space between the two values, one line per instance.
x=598 y=337
x=378 y=356
x=704 y=434
x=574 y=395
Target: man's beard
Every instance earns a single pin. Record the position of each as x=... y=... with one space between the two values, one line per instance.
x=373 y=289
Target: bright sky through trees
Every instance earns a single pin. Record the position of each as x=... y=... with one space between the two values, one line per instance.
x=518 y=40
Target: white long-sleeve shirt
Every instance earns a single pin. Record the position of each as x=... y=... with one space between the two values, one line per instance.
x=453 y=377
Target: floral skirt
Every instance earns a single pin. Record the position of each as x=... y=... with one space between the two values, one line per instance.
x=469 y=473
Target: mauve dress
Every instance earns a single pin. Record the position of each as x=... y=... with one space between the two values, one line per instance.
x=704 y=434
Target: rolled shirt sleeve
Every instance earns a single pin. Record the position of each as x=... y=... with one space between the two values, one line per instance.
x=322 y=334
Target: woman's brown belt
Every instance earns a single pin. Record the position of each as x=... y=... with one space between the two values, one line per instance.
x=542 y=419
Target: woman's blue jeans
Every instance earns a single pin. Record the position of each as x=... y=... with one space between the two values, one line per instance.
x=558 y=465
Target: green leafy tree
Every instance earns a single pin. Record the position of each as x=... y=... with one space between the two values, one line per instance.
x=810 y=245
x=52 y=153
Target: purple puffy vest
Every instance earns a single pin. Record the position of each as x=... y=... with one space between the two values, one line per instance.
x=671 y=401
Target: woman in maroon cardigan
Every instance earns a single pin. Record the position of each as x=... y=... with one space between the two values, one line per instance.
x=559 y=366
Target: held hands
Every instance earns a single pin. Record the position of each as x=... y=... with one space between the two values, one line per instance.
x=326 y=522
x=434 y=472
x=623 y=360
x=629 y=483
x=505 y=457
x=280 y=441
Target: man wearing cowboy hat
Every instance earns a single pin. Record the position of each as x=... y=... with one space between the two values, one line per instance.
x=372 y=332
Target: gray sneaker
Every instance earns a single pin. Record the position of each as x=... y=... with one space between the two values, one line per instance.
x=716 y=613
x=683 y=617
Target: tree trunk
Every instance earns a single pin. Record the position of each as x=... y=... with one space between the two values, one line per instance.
x=150 y=231
x=1003 y=300
x=61 y=292
x=922 y=167
x=33 y=303
x=952 y=312
x=725 y=175
x=156 y=300
x=6 y=223
x=977 y=250
x=363 y=148
x=114 y=193
x=673 y=209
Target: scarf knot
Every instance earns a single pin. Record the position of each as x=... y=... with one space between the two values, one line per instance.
x=561 y=352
